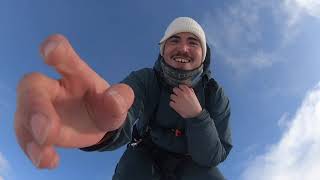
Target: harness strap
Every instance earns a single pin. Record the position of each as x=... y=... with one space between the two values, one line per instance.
x=165 y=162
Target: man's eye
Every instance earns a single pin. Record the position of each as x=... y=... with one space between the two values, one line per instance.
x=174 y=40
x=194 y=43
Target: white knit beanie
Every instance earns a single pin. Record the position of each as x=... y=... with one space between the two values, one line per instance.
x=185 y=24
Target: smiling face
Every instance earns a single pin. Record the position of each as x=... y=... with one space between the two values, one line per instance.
x=183 y=51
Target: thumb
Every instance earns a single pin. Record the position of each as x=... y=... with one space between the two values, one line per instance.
x=109 y=109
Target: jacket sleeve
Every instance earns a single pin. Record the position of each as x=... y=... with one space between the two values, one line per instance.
x=137 y=81
x=208 y=134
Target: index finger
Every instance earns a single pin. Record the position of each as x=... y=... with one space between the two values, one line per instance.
x=58 y=52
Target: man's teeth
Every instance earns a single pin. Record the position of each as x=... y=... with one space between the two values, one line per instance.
x=181 y=60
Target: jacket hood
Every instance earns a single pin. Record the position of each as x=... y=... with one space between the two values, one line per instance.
x=206 y=64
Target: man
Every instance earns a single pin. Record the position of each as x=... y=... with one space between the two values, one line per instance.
x=175 y=118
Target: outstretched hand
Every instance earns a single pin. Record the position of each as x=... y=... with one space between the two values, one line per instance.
x=75 y=111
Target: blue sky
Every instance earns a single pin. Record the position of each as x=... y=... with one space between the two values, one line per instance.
x=265 y=55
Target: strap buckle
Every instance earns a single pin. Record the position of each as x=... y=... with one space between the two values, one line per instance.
x=135 y=143
x=177 y=132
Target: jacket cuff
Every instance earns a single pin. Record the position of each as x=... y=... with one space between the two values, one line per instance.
x=105 y=141
x=204 y=114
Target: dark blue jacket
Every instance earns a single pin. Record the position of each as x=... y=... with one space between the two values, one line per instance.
x=206 y=138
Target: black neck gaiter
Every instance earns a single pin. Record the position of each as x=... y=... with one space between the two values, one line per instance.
x=174 y=76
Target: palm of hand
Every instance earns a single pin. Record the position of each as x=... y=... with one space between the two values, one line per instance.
x=75 y=111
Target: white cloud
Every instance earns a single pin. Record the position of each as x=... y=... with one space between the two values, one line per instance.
x=238 y=34
x=251 y=34
x=292 y=13
x=296 y=155
x=284 y=121
x=4 y=166
x=310 y=7
x=3 y=162
x=7 y=95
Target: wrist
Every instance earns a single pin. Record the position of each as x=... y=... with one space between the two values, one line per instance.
x=197 y=114
x=199 y=118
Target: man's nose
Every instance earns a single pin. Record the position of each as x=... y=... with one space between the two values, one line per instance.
x=184 y=47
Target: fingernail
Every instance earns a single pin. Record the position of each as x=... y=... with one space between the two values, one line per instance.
x=34 y=154
x=119 y=98
x=54 y=163
x=40 y=127
x=49 y=46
